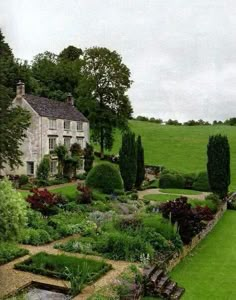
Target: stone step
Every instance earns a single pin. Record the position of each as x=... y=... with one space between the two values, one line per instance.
x=156 y=276
x=169 y=289
x=176 y=295
x=149 y=272
x=164 y=280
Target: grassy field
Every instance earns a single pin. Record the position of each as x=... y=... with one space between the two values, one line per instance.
x=209 y=271
x=181 y=148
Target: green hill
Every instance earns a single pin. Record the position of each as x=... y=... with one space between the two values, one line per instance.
x=181 y=148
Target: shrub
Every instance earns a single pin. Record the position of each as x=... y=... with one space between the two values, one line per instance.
x=23 y=180
x=213 y=202
x=134 y=196
x=43 y=169
x=201 y=183
x=189 y=219
x=189 y=180
x=218 y=165
x=105 y=177
x=140 y=163
x=88 y=157
x=86 y=194
x=13 y=209
x=44 y=201
x=128 y=160
x=81 y=176
x=171 y=181
x=35 y=236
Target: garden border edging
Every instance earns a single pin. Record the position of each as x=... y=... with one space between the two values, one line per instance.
x=196 y=240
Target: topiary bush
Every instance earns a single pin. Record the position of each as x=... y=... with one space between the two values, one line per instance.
x=13 y=210
x=201 y=183
x=105 y=177
x=169 y=180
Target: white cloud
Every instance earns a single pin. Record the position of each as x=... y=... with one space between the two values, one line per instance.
x=182 y=54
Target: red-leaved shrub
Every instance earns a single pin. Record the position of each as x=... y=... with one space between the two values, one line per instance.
x=44 y=201
x=86 y=194
x=190 y=220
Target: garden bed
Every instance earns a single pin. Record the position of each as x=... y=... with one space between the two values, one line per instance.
x=64 y=267
x=9 y=252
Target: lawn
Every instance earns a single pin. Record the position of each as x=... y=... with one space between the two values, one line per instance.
x=160 y=197
x=181 y=148
x=209 y=271
x=180 y=191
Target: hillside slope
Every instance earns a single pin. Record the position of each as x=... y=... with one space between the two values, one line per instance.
x=181 y=148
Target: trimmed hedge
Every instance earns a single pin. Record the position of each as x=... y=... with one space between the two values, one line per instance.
x=105 y=177
x=201 y=183
x=171 y=181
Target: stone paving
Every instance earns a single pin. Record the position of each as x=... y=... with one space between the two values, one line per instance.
x=11 y=280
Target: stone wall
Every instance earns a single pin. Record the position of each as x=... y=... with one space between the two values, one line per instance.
x=196 y=240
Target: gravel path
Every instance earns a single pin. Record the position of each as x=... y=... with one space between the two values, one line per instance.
x=12 y=280
x=157 y=191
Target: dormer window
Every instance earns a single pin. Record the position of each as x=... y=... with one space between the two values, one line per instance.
x=52 y=124
x=67 y=125
x=79 y=126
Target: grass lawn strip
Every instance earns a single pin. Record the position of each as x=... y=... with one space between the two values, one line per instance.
x=55 y=265
x=208 y=272
x=180 y=191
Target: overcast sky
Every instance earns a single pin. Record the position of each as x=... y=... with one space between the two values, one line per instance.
x=181 y=53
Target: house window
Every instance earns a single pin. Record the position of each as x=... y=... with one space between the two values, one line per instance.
x=30 y=168
x=79 y=126
x=52 y=124
x=53 y=167
x=52 y=143
x=67 y=142
x=80 y=141
x=67 y=125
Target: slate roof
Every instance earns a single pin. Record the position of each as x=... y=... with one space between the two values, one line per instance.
x=54 y=109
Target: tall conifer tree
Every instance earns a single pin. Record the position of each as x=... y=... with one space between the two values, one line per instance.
x=140 y=163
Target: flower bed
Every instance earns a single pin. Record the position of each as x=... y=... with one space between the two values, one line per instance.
x=9 y=252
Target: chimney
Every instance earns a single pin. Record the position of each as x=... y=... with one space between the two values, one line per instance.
x=70 y=99
x=20 y=89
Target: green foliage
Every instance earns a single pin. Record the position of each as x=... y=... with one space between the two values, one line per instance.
x=88 y=157
x=35 y=237
x=128 y=160
x=23 y=180
x=12 y=211
x=13 y=122
x=10 y=251
x=103 y=96
x=140 y=163
x=61 y=153
x=43 y=169
x=201 y=183
x=171 y=181
x=105 y=177
x=218 y=165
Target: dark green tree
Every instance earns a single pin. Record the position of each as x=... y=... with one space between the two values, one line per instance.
x=128 y=160
x=218 y=165
x=14 y=122
x=103 y=94
x=70 y=53
x=76 y=153
x=88 y=157
x=140 y=163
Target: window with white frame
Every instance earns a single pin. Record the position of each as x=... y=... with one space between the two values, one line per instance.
x=52 y=143
x=53 y=167
x=80 y=141
x=30 y=168
x=52 y=124
x=67 y=142
x=79 y=126
x=67 y=125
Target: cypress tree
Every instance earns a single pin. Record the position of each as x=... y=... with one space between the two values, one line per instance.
x=140 y=163
x=218 y=165
x=128 y=160
x=88 y=157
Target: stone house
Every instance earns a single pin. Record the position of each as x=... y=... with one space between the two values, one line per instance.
x=52 y=123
